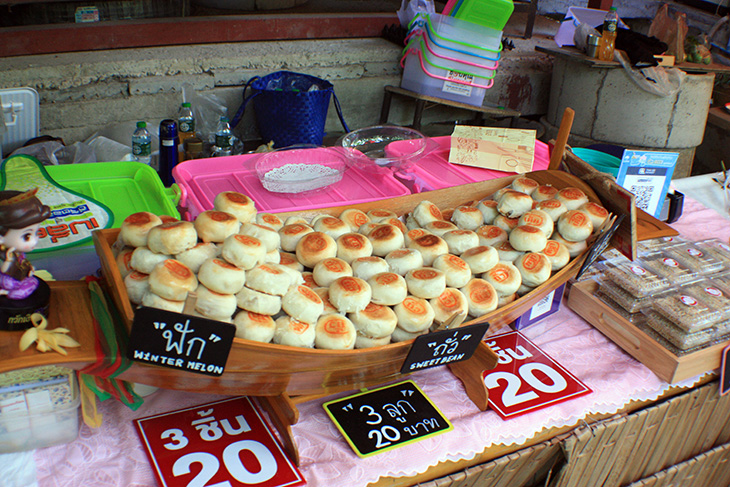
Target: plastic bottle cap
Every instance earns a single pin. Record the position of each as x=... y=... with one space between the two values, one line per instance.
x=186 y=104
x=612 y=9
x=141 y=125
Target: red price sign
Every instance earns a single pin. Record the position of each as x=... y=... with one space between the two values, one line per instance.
x=525 y=378
x=222 y=444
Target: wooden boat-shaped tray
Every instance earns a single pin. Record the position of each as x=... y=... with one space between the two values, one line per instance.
x=260 y=369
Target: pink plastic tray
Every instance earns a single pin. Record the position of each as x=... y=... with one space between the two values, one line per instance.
x=434 y=171
x=200 y=180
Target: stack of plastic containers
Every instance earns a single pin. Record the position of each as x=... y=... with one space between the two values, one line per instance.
x=449 y=58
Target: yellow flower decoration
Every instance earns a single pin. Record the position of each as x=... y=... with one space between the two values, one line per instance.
x=47 y=340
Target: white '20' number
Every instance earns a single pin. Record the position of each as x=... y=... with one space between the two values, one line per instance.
x=387 y=432
x=511 y=396
x=231 y=461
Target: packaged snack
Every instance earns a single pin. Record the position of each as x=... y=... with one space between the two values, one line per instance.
x=718 y=249
x=635 y=277
x=714 y=294
x=625 y=300
x=630 y=317
x=658 y=244
x=686 y=309
x=695 y=258
x=666 y=265
x=678 y=337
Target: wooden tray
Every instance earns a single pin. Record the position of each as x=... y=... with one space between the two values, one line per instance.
x=259 y=369
x=665 y=364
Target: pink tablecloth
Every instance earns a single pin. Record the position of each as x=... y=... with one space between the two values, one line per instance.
x=113 y=456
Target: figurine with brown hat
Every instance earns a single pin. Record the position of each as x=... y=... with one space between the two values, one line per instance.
x=21 y=292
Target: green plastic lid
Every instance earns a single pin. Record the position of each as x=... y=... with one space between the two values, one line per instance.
x=186 y=104
x=141 y=125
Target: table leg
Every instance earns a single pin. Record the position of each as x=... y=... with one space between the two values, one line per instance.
x=420 y=105
x=385 y=109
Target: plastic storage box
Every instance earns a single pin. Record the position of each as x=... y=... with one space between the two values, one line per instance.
x=39 y=407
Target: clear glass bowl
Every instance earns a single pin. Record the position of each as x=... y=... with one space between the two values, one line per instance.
x=387 y=146
x=300 y=169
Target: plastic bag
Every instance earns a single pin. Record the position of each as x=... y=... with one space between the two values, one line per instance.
x=52 y=152
x=673 y=31
x=207 y=109
x=580 y=37
x=656 y=80
x=411 y=8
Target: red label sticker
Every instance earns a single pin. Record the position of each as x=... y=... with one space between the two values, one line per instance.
x=525 y=378
x=219 y=443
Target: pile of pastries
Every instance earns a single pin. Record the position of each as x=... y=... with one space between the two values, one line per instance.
x=358 y=279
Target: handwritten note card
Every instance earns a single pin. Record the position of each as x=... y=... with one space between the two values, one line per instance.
x=499 y=148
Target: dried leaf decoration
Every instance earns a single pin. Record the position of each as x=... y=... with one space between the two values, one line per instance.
x=47 y=340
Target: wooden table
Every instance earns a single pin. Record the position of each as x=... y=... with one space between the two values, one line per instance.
x=421 y=100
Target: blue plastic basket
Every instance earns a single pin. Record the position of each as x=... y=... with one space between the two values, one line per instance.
x=291 y=108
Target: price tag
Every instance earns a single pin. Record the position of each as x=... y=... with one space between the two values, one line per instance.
x=178 y=341
x=386 y=418
x=724 y=372
x=599 y=246
x=220 y=443
x=444 y=347
x=525 y=378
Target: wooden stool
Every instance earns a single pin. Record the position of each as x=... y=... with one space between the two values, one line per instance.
x=421 y=100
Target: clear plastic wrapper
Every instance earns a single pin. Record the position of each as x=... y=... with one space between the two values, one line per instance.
x=677 y=336
x=685 y=308
x=635 y=318
x=718 y=249
x=658 y=244
x=695 y=258
x=666 y=265
x=635 y=277
x=624 y=299
x=714 y=294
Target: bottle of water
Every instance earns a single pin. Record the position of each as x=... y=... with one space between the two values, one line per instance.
x=186 y=121
x=223 y=138
x=142 y=144
x=607 y=44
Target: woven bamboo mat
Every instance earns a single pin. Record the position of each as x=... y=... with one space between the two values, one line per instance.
x=710 y=468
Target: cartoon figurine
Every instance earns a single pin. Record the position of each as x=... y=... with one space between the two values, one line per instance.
x=21 y=293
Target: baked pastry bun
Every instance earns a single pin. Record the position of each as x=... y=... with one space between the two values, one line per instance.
x=269 y=278
x=349 y=294
x=425 y=212
x=447 y=304
x=269 y=237
x=215 y=226
x=287 y=259
x=124 y=261
x=385 y=238
x=505 y=223
x=439 y=227
x=481 y=258
x=314 y=247
x=214 y=305
x=332 y=226
x=504 y=277
x=456 y=270
x=554 y=208
x=534 y=267
x=351 y=246
x=367 y=267
x=425 y=282
x=258 y=302
x=574 y=248
x=396 y=222
x=526 y=238
x=460 y=240
x=172 y=238
x=514 y=204
x=144 y=260
x=507 y=253
x=303 y=304
x=243 y=251
x=401 y=335
x=327 y=270
x=296 y=220
x=481 y=297
x=137 y=284
x=414 y=315
x=254 y=326
x=538 y=218
x=596 y=213
x=195 y=256
x=172 y=280
x=135 y=227
x=335 y=332
x=430 y=247
x=524 y=184
x=290 y=235
x=293 y=333
x=488 y=209
x=491 y=235
x=237 y=204
x=221 y=277
x=557 y=253
x=269 y=220
x=354 y=218
x=467 y=217
x=308 y=278
x=375 y=321
x=388 y=288
x=544 y=192
x=575 y=225
x=367 y=342
x=324 y=295
x=368 y=227
x=403 y=260
x=378 y=215
x=152 y=300
x=413 y=234
x=572 y=198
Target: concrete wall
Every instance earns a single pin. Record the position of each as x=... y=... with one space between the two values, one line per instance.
x=84 y=93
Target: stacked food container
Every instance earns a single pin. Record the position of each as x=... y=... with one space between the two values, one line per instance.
x=450 y=58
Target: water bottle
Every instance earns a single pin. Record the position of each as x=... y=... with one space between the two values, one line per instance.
x=608 y=37
x=223 y=138
x=142 y=144
x=168 y=150
x=186 y=121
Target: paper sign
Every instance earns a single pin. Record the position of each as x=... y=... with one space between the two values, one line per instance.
x=386 y=418
x=525 y=378
x=647 y=175
x=219 y=443
x=502 y=149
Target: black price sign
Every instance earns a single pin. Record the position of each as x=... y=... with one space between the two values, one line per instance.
x=180 y=341
x=386 y=418
x=599 y=246
x=725 y=372
x=444 y=347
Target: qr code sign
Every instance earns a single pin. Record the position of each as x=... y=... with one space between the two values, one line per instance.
x=643 y=195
